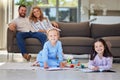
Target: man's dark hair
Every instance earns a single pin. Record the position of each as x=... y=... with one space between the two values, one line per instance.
x=21 y=6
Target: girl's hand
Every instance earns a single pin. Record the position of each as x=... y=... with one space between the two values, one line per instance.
x=46 y=66
x=95 y=68
x=62 y=65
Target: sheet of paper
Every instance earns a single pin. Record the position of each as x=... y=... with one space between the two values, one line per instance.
x=86 y=70
x=55 y=69
x=89 y=70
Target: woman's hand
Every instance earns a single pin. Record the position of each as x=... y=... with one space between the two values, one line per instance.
x=43 y=31
x=55 y=24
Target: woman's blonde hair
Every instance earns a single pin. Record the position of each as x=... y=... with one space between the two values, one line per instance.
x=33 y=18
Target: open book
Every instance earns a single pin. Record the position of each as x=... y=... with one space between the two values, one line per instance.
x=89 y=70
x=55 y=68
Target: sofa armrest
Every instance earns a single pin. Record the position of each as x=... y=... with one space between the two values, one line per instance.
x=10 y=39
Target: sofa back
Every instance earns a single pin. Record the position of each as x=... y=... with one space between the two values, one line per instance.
x=74 y=29
x=104 y=30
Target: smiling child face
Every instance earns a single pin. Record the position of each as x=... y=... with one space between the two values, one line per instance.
x=53 y=36
x=99 y=47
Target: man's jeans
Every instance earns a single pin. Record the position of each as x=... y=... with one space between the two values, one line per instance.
x=21 y=36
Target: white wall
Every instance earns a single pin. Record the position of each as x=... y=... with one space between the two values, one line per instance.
x=4 y=19
x=84 y=10
x=106 y=19
x=16 y=11
x=109 y=4
x=2 y=23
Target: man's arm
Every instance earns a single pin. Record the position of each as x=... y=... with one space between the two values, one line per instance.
x=12 y=26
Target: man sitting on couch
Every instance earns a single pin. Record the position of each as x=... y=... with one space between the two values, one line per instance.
x=25 y=30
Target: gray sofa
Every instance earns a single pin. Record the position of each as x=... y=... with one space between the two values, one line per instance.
x=77 y=38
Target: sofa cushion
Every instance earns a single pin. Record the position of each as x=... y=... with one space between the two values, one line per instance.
x=76 y=41
x=74 y=29
x=114 y=40
x=104 y=30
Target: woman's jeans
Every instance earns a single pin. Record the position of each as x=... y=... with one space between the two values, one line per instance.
x=21 y=36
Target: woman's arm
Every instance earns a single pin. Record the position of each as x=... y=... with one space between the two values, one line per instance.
x=43 y=31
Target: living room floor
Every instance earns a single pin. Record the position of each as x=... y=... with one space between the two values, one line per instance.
x=25 y=74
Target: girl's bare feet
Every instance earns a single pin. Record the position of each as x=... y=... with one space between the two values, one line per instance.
x=35 y=64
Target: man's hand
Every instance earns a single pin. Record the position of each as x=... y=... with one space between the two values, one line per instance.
x=12 y=27
x=55 y=24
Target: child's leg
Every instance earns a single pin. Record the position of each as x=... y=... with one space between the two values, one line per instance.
x=36 y=63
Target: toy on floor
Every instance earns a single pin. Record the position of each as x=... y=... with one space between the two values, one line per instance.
x=72 y=63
